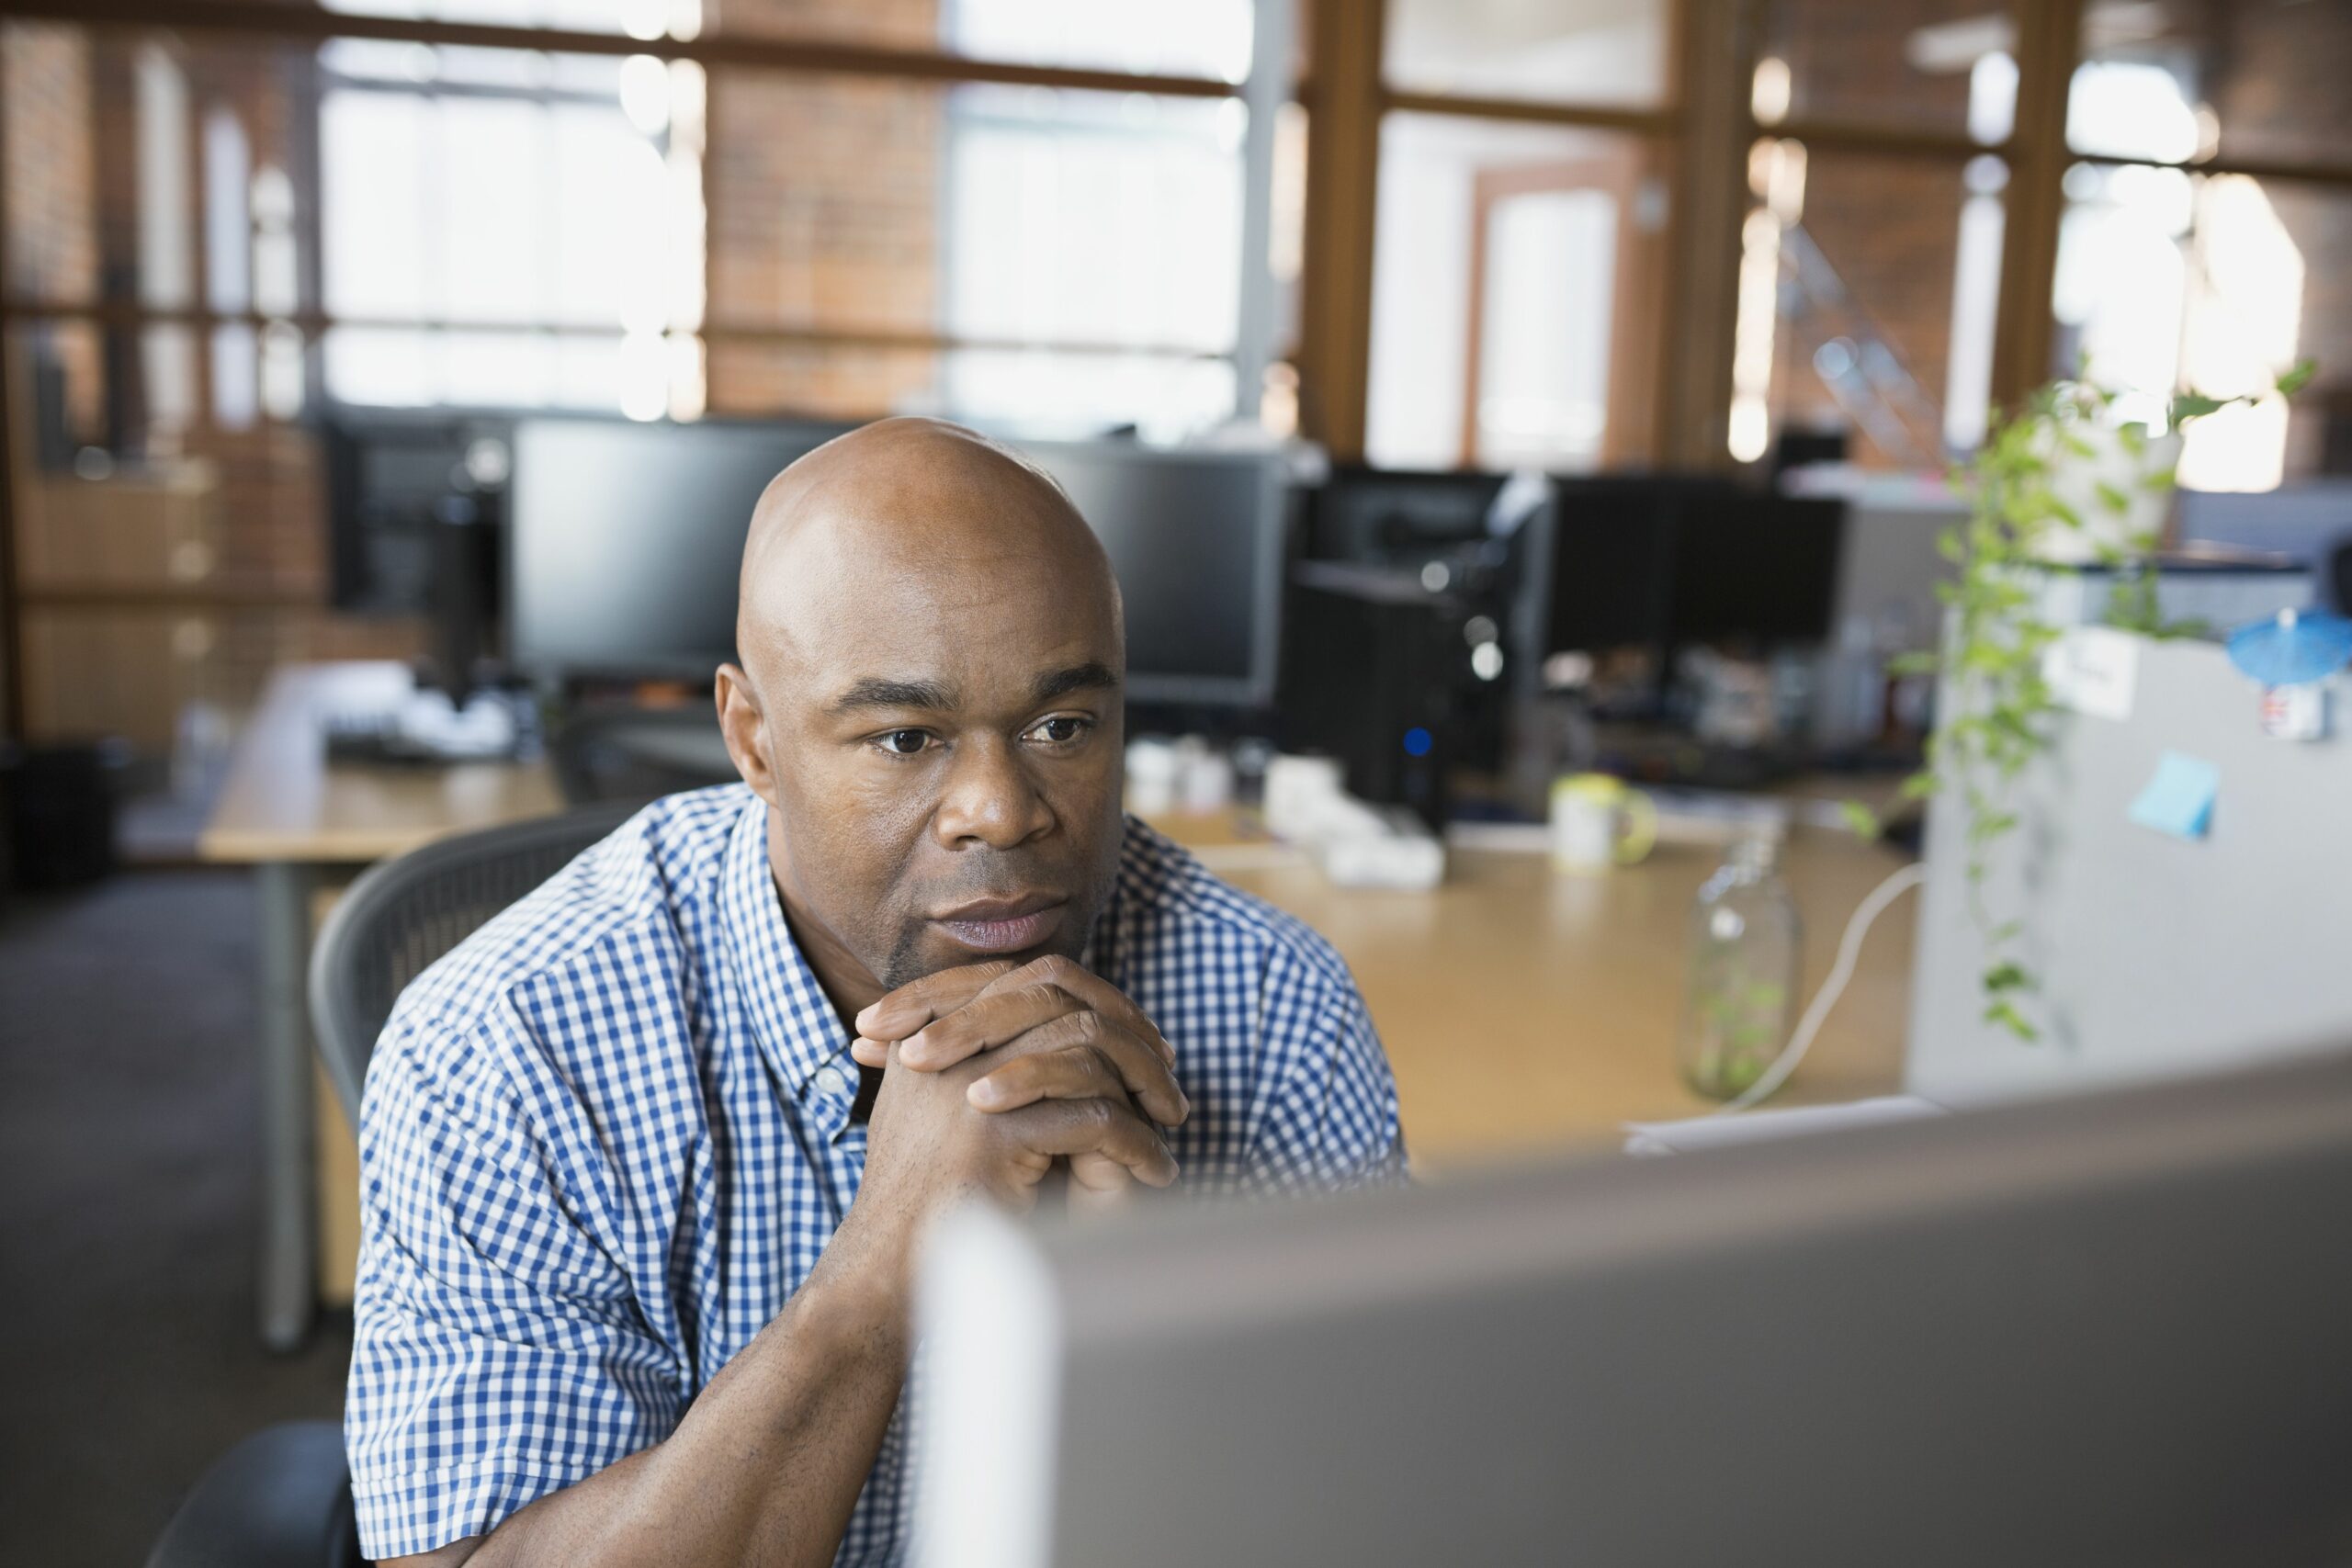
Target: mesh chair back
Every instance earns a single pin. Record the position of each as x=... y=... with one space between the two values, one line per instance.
x=403 y=914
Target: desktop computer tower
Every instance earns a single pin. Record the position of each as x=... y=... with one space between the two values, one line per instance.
x=1375 y=672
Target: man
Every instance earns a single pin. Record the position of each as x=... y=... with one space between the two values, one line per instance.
x=644 y=1161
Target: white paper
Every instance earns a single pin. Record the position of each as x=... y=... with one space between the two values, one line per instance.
x=2094 y=670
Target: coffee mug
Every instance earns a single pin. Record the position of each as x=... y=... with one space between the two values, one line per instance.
x=1599 y=821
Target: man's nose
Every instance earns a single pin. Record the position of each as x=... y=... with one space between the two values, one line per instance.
x=990 y=799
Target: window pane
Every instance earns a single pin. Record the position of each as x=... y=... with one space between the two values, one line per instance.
x=1514 y=295
x=1046 y=395
x=1942 y=63
x=1868 y=287
x=1077 y=217
x=1588 y=51
x=2168 y=280
x=1180 y=37
x=512 y=210
x=2256 y=81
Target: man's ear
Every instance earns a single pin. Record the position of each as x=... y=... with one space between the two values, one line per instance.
x=744 y=726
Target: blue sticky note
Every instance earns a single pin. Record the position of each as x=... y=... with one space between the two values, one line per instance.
x=2179 y=798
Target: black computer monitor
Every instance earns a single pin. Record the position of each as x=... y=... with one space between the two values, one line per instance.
x=1757 y=569
x=1197 y=540
x=416 y=511
x=395 y=476
x=1398 y=517
x=1667 y=560
x=626 y=540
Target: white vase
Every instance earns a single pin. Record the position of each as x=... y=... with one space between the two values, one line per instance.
x=2082 y=482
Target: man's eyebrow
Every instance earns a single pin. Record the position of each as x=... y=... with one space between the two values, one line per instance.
x=1077 y=678
x=874 y=692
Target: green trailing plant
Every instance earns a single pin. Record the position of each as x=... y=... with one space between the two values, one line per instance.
x=2026 y=492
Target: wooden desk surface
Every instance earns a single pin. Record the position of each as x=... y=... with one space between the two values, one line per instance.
x=281 y=801
x=1524 y=1009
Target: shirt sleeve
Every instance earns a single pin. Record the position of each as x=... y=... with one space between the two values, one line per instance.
x=1330 y=1117
x=498 y=1355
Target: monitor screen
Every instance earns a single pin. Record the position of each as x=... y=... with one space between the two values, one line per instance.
x=627 y=539
x=1761 y=568
x=1196 y=541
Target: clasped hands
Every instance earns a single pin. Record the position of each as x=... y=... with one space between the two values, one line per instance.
x=1058 y=1062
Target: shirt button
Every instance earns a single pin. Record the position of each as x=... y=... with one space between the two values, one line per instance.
x=828 y=1080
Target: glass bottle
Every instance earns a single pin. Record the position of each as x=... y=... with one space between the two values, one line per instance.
x=1744 y=948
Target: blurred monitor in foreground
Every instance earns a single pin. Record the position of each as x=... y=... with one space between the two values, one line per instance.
x=626 y=540
x=2107 y=1330
x=1196 y=538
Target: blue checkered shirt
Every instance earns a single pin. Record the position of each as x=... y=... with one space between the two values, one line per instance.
x=606 y=1138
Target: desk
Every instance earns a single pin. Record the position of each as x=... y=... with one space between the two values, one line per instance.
x=1521 y=1008
x=297 y=821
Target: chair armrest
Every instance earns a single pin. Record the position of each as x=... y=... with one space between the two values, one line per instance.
x=279 y=1499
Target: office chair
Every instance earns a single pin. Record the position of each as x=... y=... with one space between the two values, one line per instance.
x=636 y=754
x=282 y=1497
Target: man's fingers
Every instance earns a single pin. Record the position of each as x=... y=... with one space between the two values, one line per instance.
x=1096 y=992
x=1074 y=1072
x=991 y=1019
x=1134 y=1064
x=1105 y=1127
x=917 y=1002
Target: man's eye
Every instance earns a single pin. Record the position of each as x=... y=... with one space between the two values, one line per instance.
x=1061 y=731
x=905 y=742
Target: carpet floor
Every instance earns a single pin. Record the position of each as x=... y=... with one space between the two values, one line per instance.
x=129 y=1198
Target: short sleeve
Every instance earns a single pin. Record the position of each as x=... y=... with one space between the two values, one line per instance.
x=498 y=1355
x=1330 y=1116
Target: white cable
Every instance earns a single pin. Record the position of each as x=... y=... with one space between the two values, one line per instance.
x=1849 y=947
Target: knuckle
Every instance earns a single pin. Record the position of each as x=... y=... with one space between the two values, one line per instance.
x=1086 y=1027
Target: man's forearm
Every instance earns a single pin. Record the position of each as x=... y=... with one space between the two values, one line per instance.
x=766 y=1466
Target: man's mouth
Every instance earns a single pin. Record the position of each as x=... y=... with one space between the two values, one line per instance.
x=1004 y=925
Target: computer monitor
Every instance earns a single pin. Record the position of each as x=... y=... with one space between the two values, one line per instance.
x=1197 y=541
x=393 y=478
x=1398 y=517
x=626 y=540
x=1752 y=568
x=416 y=514
x=2105 y=1330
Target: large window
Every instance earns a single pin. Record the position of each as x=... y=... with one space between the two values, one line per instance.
x=1522 y=234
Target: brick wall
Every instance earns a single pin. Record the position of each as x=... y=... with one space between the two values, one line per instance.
x=1846 y=59
x=1887 y=226
x=1890 y=227
x=824 y=198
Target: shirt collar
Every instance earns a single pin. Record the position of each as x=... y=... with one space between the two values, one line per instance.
x=796 y=1026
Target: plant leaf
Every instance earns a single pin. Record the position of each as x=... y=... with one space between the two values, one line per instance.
x=1861 y=820
x=2298 y=376
x=2194 y=405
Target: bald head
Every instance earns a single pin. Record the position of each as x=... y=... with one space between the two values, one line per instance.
x=929 y=697
x=897 y=493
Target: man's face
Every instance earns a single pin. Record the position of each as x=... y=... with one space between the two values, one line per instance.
x=942 y=726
